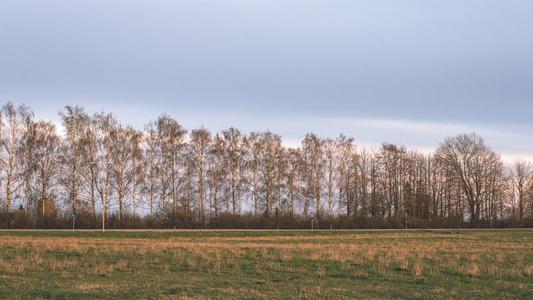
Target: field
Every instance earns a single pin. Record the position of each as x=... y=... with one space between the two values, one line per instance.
x=255 y=265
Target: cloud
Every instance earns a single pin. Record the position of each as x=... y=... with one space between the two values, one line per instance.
x=438 y=128
x=510 y=141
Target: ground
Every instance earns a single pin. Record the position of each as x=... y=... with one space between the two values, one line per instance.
x=276 y=264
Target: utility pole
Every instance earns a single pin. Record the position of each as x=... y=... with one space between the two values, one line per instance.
x=73 y=220
x=103 y=215
x=406 y=219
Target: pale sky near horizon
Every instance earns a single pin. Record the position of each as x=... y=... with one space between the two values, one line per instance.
x=410 y=72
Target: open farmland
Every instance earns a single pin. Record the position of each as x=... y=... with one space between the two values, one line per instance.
x=290 y=265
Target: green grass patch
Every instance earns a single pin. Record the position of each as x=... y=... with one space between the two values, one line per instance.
x=267 y=264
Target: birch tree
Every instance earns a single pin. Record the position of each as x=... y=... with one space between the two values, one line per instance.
x=171 y=145
x=216 y=173
x=151 y=166
x=13 y=121
x=102 y=162
x=75 y=120
x=199 y=150
x=46 y=153
x=124 y=145
x=312 y=150
x=236 y=162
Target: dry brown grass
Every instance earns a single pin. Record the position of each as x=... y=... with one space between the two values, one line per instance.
x=528 y=270
x=408 y=252
x=418 y=269
x=472 y=270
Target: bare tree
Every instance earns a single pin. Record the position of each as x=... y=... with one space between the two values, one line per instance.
x=363 y=160
x=74 y=122
x=171 y=147
x=529 y=204
x=235 y=152
x=28 y=163
x=102 y=163
x=268 y=168
x=522 y=180
x=216 y=172
x=46 y=159
x=254 y=145
x=347 y=174
x=151 y=166
x=124 y=149
x=13 y=121
x=330 y=161
x=473 y=165
x=137 y=158
x=91 y=163
x=294 y=179
x=392 y=159
x=199 y=150
x=312 y=150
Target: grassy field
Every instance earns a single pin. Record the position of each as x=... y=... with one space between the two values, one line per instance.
x=254 y=265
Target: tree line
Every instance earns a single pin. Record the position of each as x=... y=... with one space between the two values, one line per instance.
x=100 y=173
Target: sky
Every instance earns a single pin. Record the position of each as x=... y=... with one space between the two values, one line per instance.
x=410 y=72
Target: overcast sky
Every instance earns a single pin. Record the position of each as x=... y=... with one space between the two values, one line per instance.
x=409 y=72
